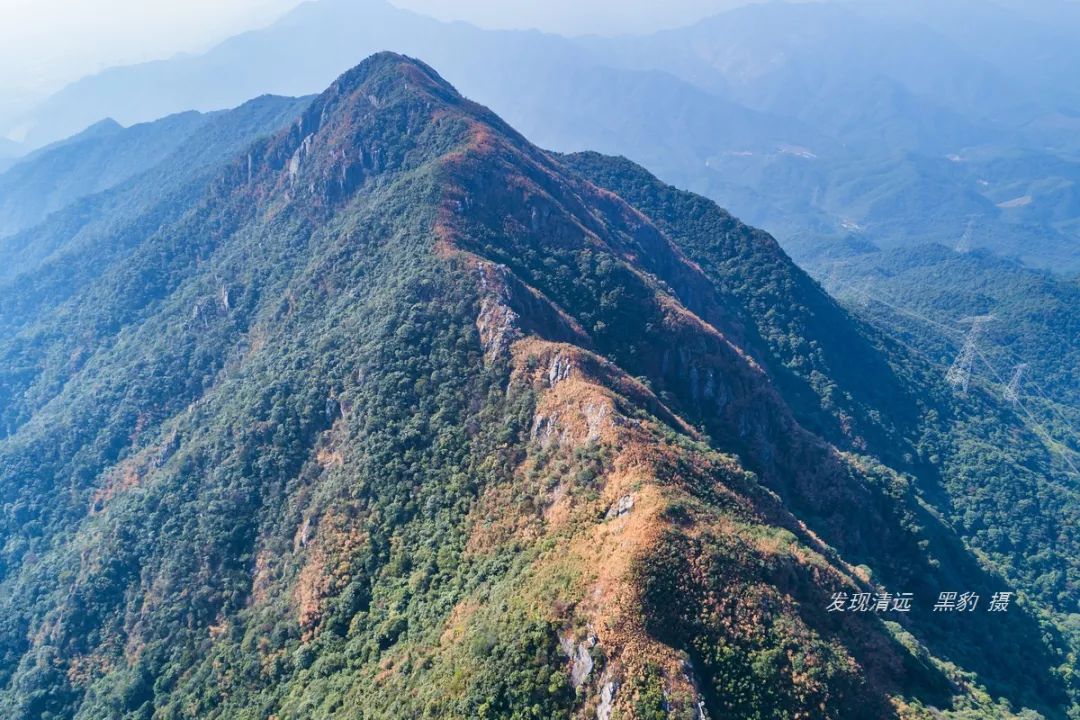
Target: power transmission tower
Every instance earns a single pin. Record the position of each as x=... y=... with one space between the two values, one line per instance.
x=1012 y=391
x=964 y=244
x=959 y=375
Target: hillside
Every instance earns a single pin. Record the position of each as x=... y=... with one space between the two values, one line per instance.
x=396 y=414
x=107 y=155
x=923 y=296
x=45 y=264
x=9 y=153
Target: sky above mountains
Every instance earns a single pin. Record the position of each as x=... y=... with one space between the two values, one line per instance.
x=573 y=17
x=47 y=43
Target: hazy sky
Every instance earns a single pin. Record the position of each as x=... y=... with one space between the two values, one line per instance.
x=573 y=16
x=47 y=43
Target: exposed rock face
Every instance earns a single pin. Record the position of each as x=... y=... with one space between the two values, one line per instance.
x=297 y=158
x=597 y=417
x=497 y=325
x=607 y=700
x=559 y=370
x=544 y=430
x=497 y=322
x=582 y=665
x=621 y=508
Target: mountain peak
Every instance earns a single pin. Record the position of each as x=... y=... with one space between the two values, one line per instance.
x=391 y=66
x=100 y=129
x=390 y=112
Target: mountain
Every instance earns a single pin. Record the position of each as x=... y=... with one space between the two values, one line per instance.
x=522 y=75
x=896 y=123
x=395 y=411
x=9 y=152
x=938 y=132
x=106 y=155
x=85 y=164
x=789 y=58
x=312 y=45
x=1029 y=45
x=924 y=294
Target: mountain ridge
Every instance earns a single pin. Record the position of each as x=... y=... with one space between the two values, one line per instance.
x=933 y=119
x=402 y=412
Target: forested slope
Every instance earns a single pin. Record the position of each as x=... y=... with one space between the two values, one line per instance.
x=397 y=415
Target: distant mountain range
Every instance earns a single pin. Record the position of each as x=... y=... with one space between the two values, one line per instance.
x=9 y=153
x=365 y=403
x=107 y=156
x=814 y=120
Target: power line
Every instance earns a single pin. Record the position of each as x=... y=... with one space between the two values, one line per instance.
x=1054 y=406
x=1012 y=392
x=961 y=373
x=1036 y=425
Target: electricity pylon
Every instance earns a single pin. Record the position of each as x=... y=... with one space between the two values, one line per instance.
x=959 y=375
x=964 y=244
x=1012 y=391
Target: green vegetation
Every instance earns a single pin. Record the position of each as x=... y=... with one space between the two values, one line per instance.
x=399 y=416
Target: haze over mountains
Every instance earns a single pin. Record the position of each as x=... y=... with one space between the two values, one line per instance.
x=894 y=124
x=108 y=157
